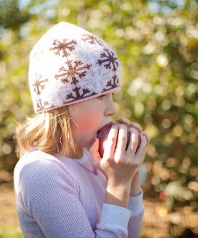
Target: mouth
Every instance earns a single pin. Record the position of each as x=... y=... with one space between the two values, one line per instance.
x=105 y=126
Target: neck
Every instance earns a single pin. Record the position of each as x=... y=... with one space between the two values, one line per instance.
x=79 y=152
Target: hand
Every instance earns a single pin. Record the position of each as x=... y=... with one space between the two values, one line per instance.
x=136 y=125
x=120 y=165
x=136 y=182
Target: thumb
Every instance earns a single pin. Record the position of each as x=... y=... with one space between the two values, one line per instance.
x=94 y=151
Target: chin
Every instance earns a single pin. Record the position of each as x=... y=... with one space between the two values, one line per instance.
x=86 y=144
x=89 y=145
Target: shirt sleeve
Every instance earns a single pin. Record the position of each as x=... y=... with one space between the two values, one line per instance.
x=137 y=210
x=50 y=195
x=135 y=204
x=115 y=217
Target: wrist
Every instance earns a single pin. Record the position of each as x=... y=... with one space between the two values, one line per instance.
x=118 y=194
x=136 y=185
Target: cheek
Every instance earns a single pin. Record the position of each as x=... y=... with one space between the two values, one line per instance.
x=90 y=124
x=92 y=115
x=87 y=117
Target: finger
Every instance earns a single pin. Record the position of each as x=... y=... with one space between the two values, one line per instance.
x=133 y=141
x=94 y=148
x=124 y=121
x=137 y=126
x=140 y=154
x=147 y=137
x=132 y=148
x=110 y=143
x=121 y=144
x=95 y=155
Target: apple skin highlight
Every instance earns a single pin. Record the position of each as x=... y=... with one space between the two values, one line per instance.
x=104 y=132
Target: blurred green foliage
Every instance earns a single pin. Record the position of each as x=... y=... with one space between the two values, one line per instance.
x=157 y=43
x=10 y=233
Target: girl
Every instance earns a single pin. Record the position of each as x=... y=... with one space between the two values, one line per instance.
x=63 y=187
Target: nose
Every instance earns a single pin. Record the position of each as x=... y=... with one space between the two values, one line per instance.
x=110 y=109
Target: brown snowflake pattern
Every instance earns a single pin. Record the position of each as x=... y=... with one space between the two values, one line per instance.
x=91 y=39
x=66 y=46
x=112 y=83
x=109 y=60
x=42 y=105
x=39 y=84
x=73 y=71
x=78 y=94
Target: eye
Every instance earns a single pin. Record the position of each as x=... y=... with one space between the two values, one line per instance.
x=101 y=97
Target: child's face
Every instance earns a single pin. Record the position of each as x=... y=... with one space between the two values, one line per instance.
x=89 y=116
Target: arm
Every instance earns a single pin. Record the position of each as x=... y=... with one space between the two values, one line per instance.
x=136 y=206
x=51 y=197
x=120 y=167
x=136 y=185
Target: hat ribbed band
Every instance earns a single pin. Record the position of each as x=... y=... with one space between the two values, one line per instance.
x=69 y=65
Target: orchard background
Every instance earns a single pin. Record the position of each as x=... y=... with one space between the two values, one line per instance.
x=157 y=44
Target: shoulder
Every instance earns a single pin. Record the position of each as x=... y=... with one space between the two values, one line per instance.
x=39 y=167
x=40 y=179
x=37 y=160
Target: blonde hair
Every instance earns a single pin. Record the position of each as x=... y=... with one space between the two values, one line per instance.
x=48 y=132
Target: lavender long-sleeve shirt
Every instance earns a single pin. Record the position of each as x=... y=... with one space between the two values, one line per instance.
x=57 y=197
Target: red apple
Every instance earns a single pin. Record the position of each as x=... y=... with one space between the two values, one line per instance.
x=103 y=134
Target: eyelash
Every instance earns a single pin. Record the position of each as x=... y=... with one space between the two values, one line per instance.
x=101 y=96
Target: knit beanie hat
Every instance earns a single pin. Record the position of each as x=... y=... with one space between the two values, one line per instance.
x=69 y=65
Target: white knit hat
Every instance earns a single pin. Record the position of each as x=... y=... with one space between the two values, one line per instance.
x=69 y=65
